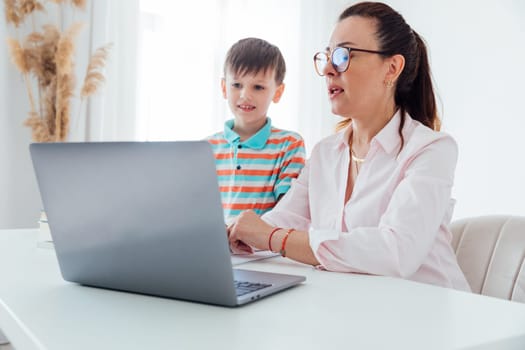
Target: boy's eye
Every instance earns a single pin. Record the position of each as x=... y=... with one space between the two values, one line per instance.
x=236 y=85
x=259 y=87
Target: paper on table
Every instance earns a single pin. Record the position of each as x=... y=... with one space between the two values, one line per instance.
x=258 y=255
x=44 y=239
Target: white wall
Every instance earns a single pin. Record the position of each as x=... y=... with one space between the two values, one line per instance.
x=19 y=198
x=477 y=51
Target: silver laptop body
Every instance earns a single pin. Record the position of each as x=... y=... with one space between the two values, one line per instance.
x=143 y=217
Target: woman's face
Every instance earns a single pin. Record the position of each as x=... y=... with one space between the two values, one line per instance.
x=359 y=89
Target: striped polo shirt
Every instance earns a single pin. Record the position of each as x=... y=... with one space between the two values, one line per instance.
x=255 y=172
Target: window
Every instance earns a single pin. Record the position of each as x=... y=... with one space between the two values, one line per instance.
x=181 y=61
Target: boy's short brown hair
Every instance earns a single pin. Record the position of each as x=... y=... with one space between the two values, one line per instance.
x=252 y=55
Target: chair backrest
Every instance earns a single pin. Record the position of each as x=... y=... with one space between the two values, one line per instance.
x=491 y=252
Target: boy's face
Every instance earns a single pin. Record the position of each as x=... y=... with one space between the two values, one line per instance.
x=250 y=95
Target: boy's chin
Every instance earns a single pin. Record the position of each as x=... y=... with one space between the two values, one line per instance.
x=250 y=119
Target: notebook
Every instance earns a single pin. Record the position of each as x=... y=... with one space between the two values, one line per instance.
x=144 y=217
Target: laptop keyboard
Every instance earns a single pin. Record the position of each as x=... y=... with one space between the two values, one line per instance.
x=243 y=287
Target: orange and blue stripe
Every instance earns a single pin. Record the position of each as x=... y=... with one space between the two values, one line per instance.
x=254 y=173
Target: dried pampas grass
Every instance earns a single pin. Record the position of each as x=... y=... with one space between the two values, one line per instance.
x=17 y=10
x=18 y=55
x=94 y=77
x=47 y=56
x=79 y=3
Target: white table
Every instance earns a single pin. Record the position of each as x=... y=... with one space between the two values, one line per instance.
x=39 y=310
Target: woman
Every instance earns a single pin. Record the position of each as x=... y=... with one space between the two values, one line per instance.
x=375 y=197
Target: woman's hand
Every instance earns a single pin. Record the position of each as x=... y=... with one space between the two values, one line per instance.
x=249 y=229
x=237 y=247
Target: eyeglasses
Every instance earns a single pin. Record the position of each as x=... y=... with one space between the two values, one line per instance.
x=340 y=59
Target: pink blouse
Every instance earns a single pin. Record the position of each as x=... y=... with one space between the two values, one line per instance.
x=396 y=221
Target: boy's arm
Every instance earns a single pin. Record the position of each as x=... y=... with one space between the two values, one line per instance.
x=293 y=211
x=291 y=166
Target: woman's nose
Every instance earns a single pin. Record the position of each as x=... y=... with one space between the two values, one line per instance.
x=329 y=69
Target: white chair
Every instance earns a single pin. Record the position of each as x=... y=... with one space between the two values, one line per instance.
x=491 y=252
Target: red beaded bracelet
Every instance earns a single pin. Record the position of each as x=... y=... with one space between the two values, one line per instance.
x=270 y=238
x=283 y=246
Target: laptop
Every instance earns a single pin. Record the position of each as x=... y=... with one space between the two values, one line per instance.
x=144 y=217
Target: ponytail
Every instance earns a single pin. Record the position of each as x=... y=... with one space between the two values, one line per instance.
x=419 y=100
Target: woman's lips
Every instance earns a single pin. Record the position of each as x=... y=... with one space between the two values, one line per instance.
x=334 y=91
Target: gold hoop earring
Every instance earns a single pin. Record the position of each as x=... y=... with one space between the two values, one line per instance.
x=389 y=83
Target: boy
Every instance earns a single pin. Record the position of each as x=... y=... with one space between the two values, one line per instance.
x=256 y=162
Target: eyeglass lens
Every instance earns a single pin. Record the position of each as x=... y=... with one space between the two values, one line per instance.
x=340 y=59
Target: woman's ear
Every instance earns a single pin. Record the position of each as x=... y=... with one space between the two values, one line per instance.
x=396 y=64
x=223 y=88
x=278 y=93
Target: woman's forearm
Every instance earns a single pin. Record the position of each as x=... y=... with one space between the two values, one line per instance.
x=294 y=245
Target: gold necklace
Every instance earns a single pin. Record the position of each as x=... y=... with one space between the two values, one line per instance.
x=352 y=153
x=357 y=161
x=355 y=158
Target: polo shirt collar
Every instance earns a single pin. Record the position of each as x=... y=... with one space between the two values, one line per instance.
x=257 y=141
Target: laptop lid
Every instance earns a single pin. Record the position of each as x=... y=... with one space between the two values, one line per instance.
x=143 y=217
